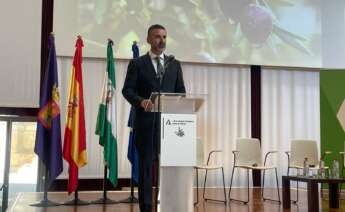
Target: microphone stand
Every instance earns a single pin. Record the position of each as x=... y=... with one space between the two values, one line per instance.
x=158 y=140
x=160 y=75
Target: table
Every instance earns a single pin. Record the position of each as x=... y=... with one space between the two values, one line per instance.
x=312 y=191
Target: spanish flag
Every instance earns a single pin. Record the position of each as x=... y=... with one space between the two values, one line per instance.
x=74 y=149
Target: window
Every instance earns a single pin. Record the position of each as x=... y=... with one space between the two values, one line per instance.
x=3 y=126
x=23 y=164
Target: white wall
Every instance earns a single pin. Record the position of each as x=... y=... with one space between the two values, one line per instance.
x=20 y=49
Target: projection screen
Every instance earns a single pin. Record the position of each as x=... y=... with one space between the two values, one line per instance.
x=261 y=32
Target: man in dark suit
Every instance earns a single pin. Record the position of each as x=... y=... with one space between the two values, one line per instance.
x=150 y=73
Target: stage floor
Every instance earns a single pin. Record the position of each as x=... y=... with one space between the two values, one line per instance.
x=23 y=201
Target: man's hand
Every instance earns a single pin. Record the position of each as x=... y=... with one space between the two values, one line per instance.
x=146 y=104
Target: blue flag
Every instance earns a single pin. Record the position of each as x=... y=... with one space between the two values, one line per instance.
x=48 y=134
x=132 y=153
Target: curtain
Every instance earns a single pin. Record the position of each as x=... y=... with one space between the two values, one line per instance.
x=290 y=110
x=224 y=116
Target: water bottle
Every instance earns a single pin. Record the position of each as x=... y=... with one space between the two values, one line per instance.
x=335 y=168
x=322 y=169
x=305 y=168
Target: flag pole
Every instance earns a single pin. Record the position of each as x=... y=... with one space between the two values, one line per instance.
x=46 y=202
x=76 y=159
x=76 y=200
x=131 y=198
x=104 y=199
x=48 y=133
x=106 y=126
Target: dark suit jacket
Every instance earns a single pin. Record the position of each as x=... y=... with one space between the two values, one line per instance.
x=141 y=80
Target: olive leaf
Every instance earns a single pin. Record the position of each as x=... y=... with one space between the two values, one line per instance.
x=291 y=39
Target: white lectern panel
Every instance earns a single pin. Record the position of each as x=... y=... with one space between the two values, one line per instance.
x=178 y=140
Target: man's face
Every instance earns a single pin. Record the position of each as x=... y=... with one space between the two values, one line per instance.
x=157 y=39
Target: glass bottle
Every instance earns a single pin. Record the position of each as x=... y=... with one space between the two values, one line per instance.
x=321 y=171
x=335 y=168
x=305 y=167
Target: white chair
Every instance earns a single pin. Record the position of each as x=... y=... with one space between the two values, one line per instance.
x=301 y=149
x=248 y=156
x=343 y=167
x=207 y=167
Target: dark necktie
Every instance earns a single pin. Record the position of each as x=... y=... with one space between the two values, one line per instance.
x=160 y=69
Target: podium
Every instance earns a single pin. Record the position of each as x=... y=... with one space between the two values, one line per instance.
x=178 y=144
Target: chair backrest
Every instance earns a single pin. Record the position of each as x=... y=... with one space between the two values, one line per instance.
x=344 y=156
x=249 y=151
x=301 y=149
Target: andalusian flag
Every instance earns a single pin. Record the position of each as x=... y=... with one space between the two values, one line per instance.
x=106 y=120
x=74 y=149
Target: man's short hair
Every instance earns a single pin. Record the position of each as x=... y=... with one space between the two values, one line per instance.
x=154 y=26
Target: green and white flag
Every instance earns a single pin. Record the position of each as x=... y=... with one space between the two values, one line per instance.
x=106 y=119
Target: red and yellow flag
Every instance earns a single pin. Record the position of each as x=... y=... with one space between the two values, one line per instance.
x=74 y=149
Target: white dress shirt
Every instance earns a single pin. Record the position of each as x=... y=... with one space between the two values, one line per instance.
x=154 y=61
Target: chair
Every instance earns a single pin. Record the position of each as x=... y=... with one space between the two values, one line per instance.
x=343 y=166
x=207 y=167
x=248 y=156
x=301 y=149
